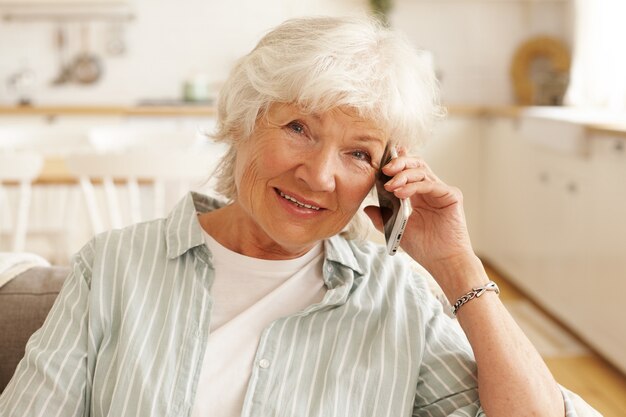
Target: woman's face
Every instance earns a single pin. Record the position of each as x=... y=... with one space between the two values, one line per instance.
x=301 y=177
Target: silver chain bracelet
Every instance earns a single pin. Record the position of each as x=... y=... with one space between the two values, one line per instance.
x=475 y=293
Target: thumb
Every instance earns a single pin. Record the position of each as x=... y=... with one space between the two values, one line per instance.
x=373 y=212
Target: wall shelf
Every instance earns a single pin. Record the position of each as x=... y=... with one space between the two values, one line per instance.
x=67 y=17
x=77 y=10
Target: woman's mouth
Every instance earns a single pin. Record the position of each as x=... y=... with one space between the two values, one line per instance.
x=296 y=202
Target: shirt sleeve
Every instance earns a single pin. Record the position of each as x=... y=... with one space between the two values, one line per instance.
x=51 y=379
x=576 y=406
x=447 y=384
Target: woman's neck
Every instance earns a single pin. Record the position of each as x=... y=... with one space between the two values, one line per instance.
x=234 y=229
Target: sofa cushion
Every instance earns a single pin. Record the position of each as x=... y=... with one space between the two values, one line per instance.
x=24 y=304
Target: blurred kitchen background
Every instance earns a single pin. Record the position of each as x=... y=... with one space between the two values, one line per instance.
x=105 y=106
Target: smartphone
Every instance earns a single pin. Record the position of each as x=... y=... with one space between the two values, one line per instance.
x=395 y=212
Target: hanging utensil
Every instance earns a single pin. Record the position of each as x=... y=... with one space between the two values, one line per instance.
x=87 y=67
x=64 y=73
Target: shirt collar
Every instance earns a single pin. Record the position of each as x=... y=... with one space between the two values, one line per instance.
x=340 y=250
x=184 y=231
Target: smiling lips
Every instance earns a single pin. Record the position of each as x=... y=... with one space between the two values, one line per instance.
x=296 y=202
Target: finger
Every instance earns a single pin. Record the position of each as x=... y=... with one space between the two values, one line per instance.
x=401 y=163
x=437 y=191
x=405 y=177
x=410 y=163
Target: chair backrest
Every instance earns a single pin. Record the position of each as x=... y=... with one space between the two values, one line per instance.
x=18 y=169
x=26 y=301
x=20 y=166
x=154 y=180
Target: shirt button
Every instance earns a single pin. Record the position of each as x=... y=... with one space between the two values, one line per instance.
x=329 y=268
x=264 y=363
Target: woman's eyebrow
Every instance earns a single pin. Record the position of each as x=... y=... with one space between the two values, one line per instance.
x=365 y=137
x=370 y=138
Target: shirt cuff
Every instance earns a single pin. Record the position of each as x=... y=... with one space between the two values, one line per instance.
x=576 y=406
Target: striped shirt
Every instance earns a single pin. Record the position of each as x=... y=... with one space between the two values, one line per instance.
x=127 y=336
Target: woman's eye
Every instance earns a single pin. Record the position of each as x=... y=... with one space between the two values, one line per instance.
x=362 y=156
x=296 y=127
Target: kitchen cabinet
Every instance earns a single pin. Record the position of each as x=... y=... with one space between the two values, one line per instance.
x=553 y=223
x=606 y=283
x=505 y=196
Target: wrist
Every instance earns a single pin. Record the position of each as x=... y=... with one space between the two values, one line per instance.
x=458 y=275
x=476 y=292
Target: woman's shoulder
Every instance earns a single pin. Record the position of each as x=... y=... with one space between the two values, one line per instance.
x=404 y=280
x=139 y=239
x=375 y=261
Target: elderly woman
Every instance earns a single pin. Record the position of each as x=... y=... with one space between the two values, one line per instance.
x=271 y=304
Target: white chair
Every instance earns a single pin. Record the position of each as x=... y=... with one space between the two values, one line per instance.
x=148 y=175
x=20 y=169
x=51 y=224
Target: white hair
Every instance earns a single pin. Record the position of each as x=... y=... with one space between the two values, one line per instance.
x=320 y=63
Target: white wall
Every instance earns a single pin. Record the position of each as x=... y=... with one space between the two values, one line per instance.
x=169 y=40
x=473 y=41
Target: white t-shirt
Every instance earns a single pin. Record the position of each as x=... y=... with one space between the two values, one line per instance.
x=248 y=294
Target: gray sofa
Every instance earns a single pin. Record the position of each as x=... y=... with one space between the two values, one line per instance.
x=24 y=304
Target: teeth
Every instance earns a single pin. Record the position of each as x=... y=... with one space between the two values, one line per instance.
x=296 y=202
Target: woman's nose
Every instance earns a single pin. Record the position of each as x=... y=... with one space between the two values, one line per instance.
x=318 y=171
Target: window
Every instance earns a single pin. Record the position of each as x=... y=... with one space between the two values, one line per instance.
x=598 y=74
